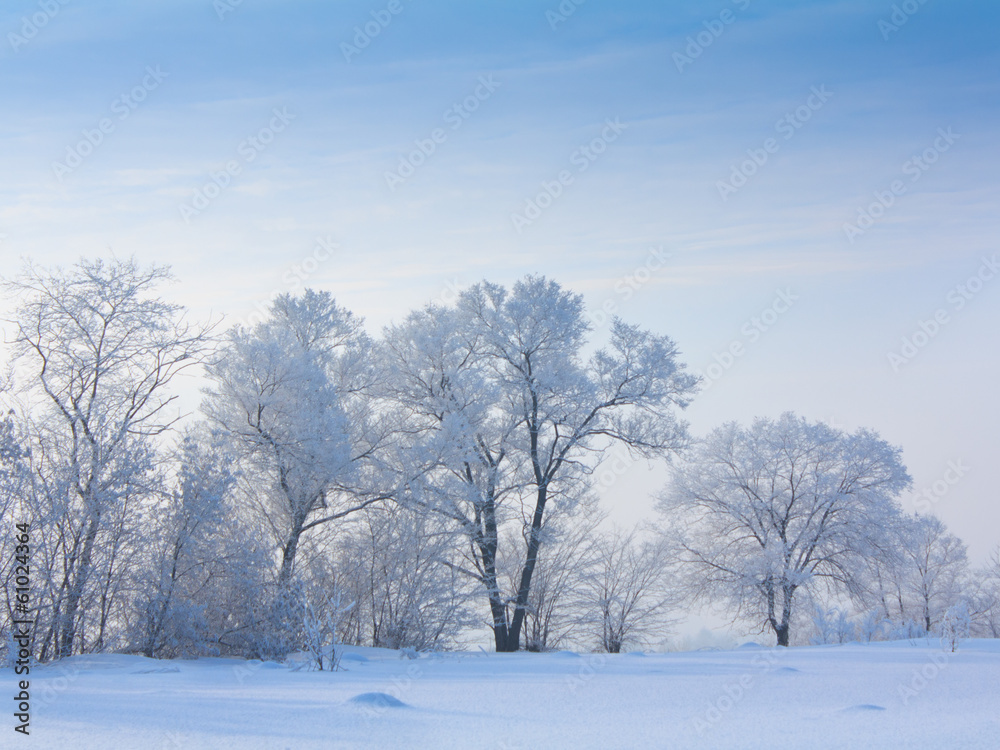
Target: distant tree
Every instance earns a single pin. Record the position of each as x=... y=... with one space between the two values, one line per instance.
x=759 y=513
x=981 y=594
x=935 y=566
x=629 y=595
x=872 y=625
x=955 y=626
x=881 y=586
x=832 y=626
x=917 y=574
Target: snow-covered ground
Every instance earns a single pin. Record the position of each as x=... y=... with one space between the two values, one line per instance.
x=898 y=695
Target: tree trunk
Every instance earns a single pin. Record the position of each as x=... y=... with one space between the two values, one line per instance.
x=783 y=630
x=289 y=550
x=67 y=632
x=488 y=554
x=524 y=587
x=501 y=631
x=782 y=633
x=160 y=616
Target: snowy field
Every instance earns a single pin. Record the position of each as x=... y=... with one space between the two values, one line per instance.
x=909 y=695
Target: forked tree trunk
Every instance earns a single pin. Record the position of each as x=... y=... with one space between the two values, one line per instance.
x=782 y=627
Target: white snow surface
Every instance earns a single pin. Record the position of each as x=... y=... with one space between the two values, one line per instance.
x=908 y=694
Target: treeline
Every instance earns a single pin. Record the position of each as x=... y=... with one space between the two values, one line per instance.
x=413 y=489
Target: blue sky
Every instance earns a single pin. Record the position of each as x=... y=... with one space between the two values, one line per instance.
x=888 y=94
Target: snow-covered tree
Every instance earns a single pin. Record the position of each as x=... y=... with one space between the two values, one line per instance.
x=934 y=568
x=460 y=451
x=567 y=412
x=559 y=610
x=628 y=593
x=832 y=625
x=14 y=479
x=321 y=614
x=880 y=585
x=759 y=513
x=394 y=564
x=188 y=540
x=955 y=626
x=291 y=395
x=513 y=420
x=985 y=597
x=95 y=354
x=13 y=470
x=918 y=573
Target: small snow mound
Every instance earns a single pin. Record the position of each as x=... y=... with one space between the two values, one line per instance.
x=378 y=700
x=566 y=654
x=788 y=670
x=353 y=657
x=749 y=645
x=864 y=707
